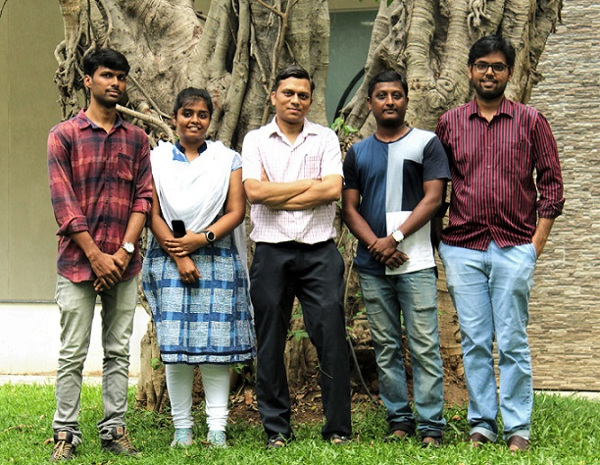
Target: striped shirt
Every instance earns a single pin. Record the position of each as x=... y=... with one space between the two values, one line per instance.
x=494 y=195
x=96 y=181
x=314 y=155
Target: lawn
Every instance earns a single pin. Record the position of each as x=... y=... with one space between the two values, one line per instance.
x=565 y=432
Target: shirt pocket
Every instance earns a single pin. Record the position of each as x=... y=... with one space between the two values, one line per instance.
x=516 y=159
x=125 y=167
x=312 y=166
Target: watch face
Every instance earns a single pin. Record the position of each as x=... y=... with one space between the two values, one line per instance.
x=129 y=247
x=210 y=236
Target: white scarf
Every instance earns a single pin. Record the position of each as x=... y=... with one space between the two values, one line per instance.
x=194 y=192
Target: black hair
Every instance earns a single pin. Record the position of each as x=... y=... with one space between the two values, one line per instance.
x=295 y=71
x=190 y=95
x=388 y=76
x=490 y=44
x=106 y=57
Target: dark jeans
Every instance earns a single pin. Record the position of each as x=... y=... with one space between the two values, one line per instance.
x=314 y=274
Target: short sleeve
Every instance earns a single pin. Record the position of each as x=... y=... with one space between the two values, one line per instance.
x=350 y=174
x=332 y=155
x=251 y=161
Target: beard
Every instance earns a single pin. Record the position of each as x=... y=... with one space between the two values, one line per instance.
x=489 y=94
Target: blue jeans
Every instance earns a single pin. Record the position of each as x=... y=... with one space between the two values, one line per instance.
x=77 y=303
x=414 y=296
x=490 y=290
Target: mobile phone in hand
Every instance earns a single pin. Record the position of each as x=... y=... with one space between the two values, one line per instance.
x=178 y=228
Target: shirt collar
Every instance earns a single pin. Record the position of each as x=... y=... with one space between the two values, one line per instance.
x=308 y=128
x=179 y=154
x=85 y=122
x=506 y=108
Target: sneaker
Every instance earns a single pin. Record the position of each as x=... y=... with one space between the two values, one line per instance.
x=63 y=446
x=182 y=437
x=119 y=444
x=217 y=439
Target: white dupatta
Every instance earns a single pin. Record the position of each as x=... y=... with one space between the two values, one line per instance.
x=192 y=192
x=196 y=192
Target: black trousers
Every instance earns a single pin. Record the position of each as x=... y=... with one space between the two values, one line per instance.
x=314 y=274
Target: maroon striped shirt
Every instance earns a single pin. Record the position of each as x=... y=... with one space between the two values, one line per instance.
x=494 y=194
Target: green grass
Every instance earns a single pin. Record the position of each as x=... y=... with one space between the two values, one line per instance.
x=565 y=431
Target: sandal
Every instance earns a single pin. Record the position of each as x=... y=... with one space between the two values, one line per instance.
x=431 y=441
x=276 y=441
x=478 y=439
x=396 y=435
x=517 y=444
x=339 y=440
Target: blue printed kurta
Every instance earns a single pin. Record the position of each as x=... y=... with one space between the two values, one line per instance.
x=205 y=322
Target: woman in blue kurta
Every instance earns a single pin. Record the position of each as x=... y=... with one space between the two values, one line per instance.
x=197 y=285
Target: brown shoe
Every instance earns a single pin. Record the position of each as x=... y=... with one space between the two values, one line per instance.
x=478 y=439
x=119 y=444
x=63 y=446
x=517 y=444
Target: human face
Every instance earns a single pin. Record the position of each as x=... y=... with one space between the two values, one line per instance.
x=292 y=100
x=191 y=122
x=388 y=102
x=107 y=86
x=490 y=84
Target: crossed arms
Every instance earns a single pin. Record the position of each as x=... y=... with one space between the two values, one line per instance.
x=303 y=194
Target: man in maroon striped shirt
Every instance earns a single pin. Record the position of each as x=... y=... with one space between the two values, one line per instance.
x=500 y=219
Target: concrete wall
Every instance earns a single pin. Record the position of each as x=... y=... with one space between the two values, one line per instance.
x=29 y=32
x=565 y=315
x=30 y=340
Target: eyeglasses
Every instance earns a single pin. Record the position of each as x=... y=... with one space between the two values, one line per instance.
x=482 y=67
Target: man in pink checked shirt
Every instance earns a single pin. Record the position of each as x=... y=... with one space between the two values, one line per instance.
x=292 y=173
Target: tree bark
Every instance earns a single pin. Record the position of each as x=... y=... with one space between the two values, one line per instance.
x=428 y=41
x=235 y=53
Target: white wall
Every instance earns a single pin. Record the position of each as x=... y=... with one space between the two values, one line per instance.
x=30 y=340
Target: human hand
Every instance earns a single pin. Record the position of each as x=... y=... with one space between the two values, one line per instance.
x=397 y=259
x=188 y=271
x=183 y=246
x=383 y=248
x=108 y=270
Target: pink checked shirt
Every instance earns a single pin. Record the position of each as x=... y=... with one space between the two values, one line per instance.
x=315 y=154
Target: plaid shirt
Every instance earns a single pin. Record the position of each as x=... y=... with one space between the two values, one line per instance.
x=97 y=180
x=315 y=154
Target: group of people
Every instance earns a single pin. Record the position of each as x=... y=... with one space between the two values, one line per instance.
x=211 y=311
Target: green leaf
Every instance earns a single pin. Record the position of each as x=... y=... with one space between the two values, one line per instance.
x=155 y=363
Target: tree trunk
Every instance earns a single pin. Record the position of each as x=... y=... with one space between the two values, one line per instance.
x=236 y=51
x=428 y=41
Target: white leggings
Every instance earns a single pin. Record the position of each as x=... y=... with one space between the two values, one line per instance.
x=215 y=379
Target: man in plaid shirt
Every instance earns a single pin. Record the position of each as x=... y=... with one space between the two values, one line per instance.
x=101 y=190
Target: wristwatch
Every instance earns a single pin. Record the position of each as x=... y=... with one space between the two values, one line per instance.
x=210 y=236
x=398 y=236
x=128 y=247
